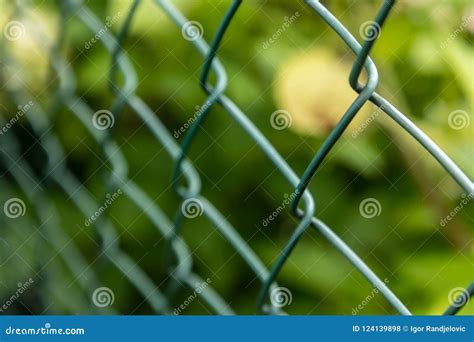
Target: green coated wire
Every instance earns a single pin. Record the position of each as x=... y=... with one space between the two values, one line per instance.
x=217 y=91
x=46 y=212
x=220 y=73
x=45 y=209
x=192 y=131
x=184 y=269
x=279 y=264
x=453 y=170
x=313 y=223
x=218 y=220
x=168 y=142
x=284 y=168
x=354 y=108
x=456 y=173
x=374 y=32
x=121 y=260
x=109 y=42
x=121 y=96
x=460 y=301
x=23 y=230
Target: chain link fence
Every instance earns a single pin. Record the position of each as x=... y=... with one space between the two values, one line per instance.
x=40 y=214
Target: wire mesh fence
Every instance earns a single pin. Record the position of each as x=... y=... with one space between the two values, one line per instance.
x=26 y=190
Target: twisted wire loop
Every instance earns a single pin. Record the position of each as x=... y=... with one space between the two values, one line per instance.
x=31 y=186
x=183 y=270
x=47 y=214
x=186 y=194
x=445 y=161
x=79 y=196
x=180 y=272
x=159 y=220
x=366 y=93
x=269 y=150
x=333 y=137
